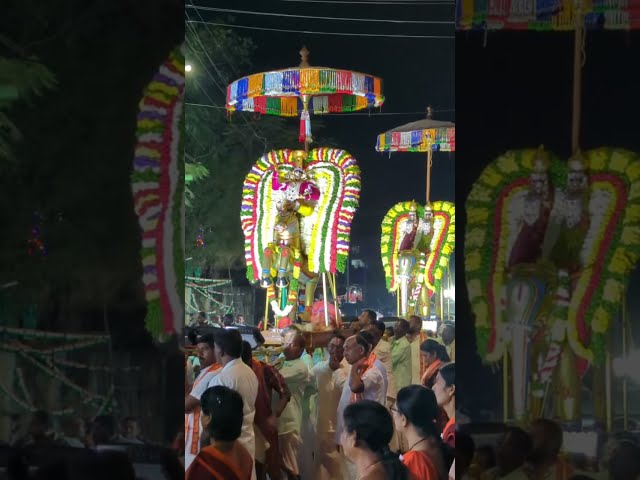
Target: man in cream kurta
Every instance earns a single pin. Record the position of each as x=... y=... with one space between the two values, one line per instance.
x=401 y=355
x=239 y=377
x=296 y=374
x=330 y=377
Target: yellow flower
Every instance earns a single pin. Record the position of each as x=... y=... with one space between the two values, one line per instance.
x=597 y=160
x=482 y=313
x=634 y=191
x=620 y=263
x=630 y=235
x=475 y=238
x=633 y=171
x=600 y=322
x=632 y=213
x=508 y=164
x=477 y=215
x=612 y=291
x=491 y=176
x=619 y=161
x=473 y=261
x=475 y=288
x=481 y=194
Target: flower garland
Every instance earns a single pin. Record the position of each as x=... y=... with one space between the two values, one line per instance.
x=326 y=232
x=490 y=206
x=609 y=252
x=158 y=190
x=331 y=91
x=442 y=243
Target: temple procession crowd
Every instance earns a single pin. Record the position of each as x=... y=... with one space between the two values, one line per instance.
x=368 y=407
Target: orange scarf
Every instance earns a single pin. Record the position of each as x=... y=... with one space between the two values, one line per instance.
x=368 y=364
x=430 y=372
x=212 y=464
x=449 y=433
x=195 y=439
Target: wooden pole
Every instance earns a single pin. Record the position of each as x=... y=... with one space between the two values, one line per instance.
x=505 y=387
x=397 y=303
x=324 y=299
x=334 y=292
x=625 y=393
x=578 y=46
x=266 y=312
x=429 y=161
x=608 y=392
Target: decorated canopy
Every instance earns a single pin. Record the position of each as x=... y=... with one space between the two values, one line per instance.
x=547 y=15
x=304 y=90
x=420 y=136
x=427 y=135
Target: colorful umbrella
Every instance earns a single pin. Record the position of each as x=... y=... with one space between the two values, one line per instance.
x=426 y=135
x=304 y=90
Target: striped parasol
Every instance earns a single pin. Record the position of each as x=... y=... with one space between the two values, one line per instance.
x=427 y=135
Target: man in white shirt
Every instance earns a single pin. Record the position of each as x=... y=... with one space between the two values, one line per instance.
x=296 y=374
x=371 y=340
x=239 y=377
x=365 y=381
x=330 y=377
x=209 y=369
x=382 y=350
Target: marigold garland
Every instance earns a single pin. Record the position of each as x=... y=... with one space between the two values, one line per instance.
x=442 y=244
x=610 y=250
x=158 y=191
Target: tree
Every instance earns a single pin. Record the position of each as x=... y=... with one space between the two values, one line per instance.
x=227 y=148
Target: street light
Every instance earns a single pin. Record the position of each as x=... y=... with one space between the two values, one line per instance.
x=187 y=68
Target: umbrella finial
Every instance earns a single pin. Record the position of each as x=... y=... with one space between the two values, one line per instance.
x=429 y=112
x=304 y=55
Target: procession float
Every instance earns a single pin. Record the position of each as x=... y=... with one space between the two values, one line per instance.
x=550 y=243
x=298 y=205
x=158 y=192
x=417 y=241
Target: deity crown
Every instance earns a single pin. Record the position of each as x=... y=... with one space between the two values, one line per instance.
x=541 y=160
x=578 y=163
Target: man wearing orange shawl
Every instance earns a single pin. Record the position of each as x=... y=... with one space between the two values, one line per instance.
x=365 y=382
x=416 y=336
x=192 y=417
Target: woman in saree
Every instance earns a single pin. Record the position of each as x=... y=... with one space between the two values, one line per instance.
x=225 y=458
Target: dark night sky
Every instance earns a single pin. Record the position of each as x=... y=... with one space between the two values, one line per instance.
x=416 y=73
x=516 y=93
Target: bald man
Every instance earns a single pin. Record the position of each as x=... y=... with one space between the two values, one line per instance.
x=297 y=377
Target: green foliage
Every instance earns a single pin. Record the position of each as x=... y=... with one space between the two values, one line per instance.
x=20 y=81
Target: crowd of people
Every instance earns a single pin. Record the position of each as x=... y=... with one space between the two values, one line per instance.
x=366 y=407
x=537 y=453
x=100 y=443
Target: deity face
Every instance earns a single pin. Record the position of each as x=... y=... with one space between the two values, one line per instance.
x=539 y=183
x=412 y=222
x=428 y=216
x=576 y=180
x=297 y=175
